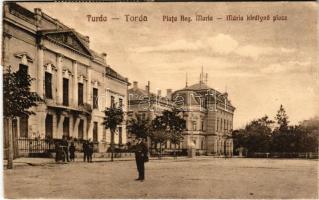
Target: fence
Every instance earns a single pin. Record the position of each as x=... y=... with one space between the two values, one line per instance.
x=307 y=155
x=28 y=146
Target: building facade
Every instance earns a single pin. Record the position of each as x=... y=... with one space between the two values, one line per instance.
x=75 y=82
x=146 y=104
x=209 y=118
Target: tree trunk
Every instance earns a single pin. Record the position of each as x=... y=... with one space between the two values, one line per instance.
x=11 y=150
x=160 y=151
x=112 y=146
x=175 y=156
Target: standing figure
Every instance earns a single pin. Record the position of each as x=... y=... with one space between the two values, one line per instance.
x=90 y=151
x=141 y=156
x=85 y=150
x=65 y=146
x=72 y=151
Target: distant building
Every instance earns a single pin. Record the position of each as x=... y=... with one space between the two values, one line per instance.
x=208 y=114
x=209 y=119
x=75 y=81
x=146 y=104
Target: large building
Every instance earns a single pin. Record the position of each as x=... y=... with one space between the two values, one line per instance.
x=209 y=118
x=145 y=104
x=75 y=82
x=208 y=113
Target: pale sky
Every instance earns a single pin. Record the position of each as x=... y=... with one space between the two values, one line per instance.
x=262 y=64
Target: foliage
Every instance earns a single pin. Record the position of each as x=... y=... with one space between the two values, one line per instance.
x=113 y=117
x=168 y=126
x=139 y=126
x=282 y=118
x=17 y=95
x=258 y=135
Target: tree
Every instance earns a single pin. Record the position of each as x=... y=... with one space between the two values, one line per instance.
x=113 y=117
x=139 y=126
x=168 y=126
x=17 y=100
x=256 y=136
x=282 y=118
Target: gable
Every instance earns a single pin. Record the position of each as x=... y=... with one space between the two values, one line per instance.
x=69 y=39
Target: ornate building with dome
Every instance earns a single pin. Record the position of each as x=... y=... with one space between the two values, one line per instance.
x=209 y=118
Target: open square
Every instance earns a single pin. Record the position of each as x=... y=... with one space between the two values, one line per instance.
x=203 y=177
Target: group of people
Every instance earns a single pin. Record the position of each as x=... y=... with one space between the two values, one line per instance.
x=65 y=150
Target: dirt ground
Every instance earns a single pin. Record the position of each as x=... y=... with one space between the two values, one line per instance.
x=203 y=177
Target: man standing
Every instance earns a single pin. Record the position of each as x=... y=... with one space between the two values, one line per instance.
x=85 y=151
x=141 y=156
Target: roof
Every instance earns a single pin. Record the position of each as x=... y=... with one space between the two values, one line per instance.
x=198 y=86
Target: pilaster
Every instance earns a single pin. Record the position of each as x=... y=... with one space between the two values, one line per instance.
x=59 y=79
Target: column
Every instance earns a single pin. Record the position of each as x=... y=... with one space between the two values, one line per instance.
x=6 y=49
x=75 y=84
x=89 y=89
x=71 y=122
x=41 y=123
x=40 y=72
x=215 y=145
x=55 y=123
x=60 y=127
x=90 y=130
x=85 y=127
x=76 y=127
x=59 y=81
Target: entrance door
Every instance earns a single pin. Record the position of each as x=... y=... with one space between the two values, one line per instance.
x=49 y=126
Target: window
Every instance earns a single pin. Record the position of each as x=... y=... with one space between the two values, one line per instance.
x=202 y=125
x=48 y=85
x=80 y=129
x=95 y=98
x=65 y=92
x=202 y=145
x=80 y=94
x=95 y=132
x=217 y=124
x=120 y=136
x=66 y=127
x=120 y=103
x=24 y=126
x=23 y=68
x=112 y=101
x=194 y=126
x=49 y=126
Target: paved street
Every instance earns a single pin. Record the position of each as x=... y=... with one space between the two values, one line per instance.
x=183 y=178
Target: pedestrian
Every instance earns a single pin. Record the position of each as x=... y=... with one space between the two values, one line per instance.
x=85 y=150
x=141 y=156
x=65 y=146
x=90 y=150
x=72 y=151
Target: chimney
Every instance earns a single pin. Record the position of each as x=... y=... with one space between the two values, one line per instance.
x=135 y=86
x=104 y=56
x=147 y=87
x=159 y=93
x=169 y=93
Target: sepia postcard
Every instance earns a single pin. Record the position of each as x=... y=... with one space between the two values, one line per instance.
x=160 y=100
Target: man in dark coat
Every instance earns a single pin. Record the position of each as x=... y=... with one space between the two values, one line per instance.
x=90 y=148
x=141 y=156
x=65 y=146
x=85 y=151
